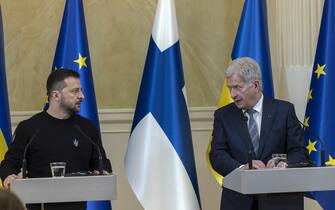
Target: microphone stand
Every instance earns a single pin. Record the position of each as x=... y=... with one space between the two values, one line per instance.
x=100 y=164
x=24 y=160
x=245 y=119
x=322 y=152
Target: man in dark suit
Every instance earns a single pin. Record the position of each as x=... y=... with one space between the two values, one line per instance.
x=252 y=126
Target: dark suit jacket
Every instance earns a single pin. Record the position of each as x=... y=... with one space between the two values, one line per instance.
x=280 y=133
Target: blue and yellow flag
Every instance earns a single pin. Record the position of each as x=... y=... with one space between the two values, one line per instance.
x=252 y=40
x=320 y=109
x=5 y=126
x=72 y=52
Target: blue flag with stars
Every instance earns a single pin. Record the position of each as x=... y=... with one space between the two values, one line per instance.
x=5 y=127
x=72 y=52
x=320 y=110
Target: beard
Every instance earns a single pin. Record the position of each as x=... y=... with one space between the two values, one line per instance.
x=70 y=107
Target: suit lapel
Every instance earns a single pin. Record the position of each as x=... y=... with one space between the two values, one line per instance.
x=266 y=125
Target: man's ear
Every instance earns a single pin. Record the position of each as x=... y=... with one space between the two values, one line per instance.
x=257 y=84
x=55 y=95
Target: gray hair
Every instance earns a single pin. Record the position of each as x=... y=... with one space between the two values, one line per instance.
x=247 y=68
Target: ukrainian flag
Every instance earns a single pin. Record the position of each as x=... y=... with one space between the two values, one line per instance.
x=5 y=125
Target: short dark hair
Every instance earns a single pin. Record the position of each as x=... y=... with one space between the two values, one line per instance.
x=56 y=79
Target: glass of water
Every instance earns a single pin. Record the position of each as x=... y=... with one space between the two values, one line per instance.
x=279 y=160
x=57 y=169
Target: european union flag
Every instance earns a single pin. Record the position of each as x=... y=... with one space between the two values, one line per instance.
x=252 y=40
x=72 y=52
x=5 y=126
x=159 y=162
x=320 y=109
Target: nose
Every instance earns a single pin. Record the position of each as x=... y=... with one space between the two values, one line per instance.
x=232 y=93
x=81 y=95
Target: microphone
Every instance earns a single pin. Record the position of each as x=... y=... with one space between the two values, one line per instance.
x=323 y=153
x=245 y=119
x=100 y=165
x=24 y=160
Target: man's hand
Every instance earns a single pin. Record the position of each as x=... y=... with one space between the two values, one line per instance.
x=9 y=180
x=271 y=164
x=256 y=164
x=95 y=172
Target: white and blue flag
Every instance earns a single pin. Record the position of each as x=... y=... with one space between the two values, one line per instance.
x=159 y=162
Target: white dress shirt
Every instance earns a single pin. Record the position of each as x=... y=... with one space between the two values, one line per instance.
x=258 y=114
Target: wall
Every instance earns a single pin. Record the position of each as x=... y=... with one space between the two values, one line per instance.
x=118 y=33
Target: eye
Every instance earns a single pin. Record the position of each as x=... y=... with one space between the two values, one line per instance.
x=76 y=91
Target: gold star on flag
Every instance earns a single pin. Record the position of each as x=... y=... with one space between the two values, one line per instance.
x=311 y=146
x=309 y=97
x=306 y=123
x=331 y=161
x=320 y=70
x=81 y=61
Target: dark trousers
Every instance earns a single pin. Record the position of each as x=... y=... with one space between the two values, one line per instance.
x=231 y=200
x=255 y=204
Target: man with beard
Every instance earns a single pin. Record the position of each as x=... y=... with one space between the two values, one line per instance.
x=56 y=138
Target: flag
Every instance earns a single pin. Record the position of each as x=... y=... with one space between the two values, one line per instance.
x=252 y=40
x=72 y=52
x=5 y=125
x=319 y=116
x=159 y=162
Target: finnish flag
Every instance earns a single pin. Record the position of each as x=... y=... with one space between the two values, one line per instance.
x=159 y=162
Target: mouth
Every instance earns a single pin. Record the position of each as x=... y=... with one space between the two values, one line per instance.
x=237 y=101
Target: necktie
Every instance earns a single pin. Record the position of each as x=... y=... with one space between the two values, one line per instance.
x=253 y=131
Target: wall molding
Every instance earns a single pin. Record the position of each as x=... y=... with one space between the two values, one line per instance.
x=119 y=120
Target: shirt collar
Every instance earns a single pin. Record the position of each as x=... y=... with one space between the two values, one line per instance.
x=259 y=106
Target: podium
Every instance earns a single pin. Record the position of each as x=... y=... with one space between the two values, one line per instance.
x=281 y=188
x=65 y=189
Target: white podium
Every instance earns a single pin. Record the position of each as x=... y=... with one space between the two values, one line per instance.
x=281 y=188
x=65 y=189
